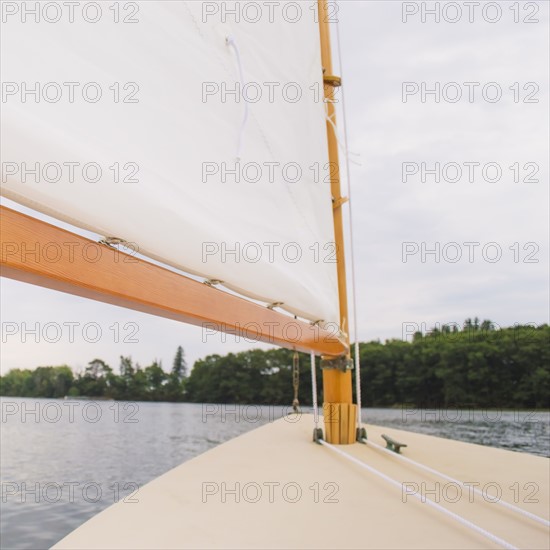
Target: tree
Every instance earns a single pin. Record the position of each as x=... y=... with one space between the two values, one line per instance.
x=484 y=367
x=179 y=367
x=175 y=387
x=96 y=379
x=98 y=369
x=124 y=383
x=155 y=379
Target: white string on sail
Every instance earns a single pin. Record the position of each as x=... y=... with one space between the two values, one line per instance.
x=342 y=147
x=438 y=507
x=230 y=41
x=314 y=391
x=458 y=482
x=352 y=255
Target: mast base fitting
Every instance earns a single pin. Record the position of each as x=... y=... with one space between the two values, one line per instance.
x=361 y=434
x=342 y=363
x=317 y=435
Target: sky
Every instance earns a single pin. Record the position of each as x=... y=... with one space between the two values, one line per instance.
x=487 y=234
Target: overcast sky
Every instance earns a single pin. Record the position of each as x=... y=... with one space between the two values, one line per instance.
x=381 y=52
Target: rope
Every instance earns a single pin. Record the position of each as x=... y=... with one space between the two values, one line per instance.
x=314 y=391
x=352 y=255
x=336 y=135
x=230 y=41
x=357 y=374
x=296 y=381
x=453 y=480
x=438 y=507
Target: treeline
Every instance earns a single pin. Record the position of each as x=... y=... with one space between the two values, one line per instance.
x=478 y=365
x=474 y=365
x=132 y=383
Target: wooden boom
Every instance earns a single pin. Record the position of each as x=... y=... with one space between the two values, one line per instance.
x=37 y=252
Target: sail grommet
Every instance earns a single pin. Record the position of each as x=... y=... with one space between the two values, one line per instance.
x=332 y=80
x=112 y=241
x=213 y=282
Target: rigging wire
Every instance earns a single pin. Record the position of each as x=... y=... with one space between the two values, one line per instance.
x=438 y=507
x=458 y=482
x=352 y=255
x=296 y=381
x=314 y=391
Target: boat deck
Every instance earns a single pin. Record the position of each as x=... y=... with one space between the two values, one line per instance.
x=274 y=488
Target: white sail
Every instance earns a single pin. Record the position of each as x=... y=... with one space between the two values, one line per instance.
x=140 y=103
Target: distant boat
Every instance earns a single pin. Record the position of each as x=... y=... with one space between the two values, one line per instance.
x=86 y=398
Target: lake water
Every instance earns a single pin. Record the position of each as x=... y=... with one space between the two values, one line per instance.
x=62 y=462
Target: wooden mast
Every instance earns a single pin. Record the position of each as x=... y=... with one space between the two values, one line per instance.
x=338 y=408
x=39 y=253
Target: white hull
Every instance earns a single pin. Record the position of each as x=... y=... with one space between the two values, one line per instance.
x=178 y=509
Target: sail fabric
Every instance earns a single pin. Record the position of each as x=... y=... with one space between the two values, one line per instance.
x=124 y=121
